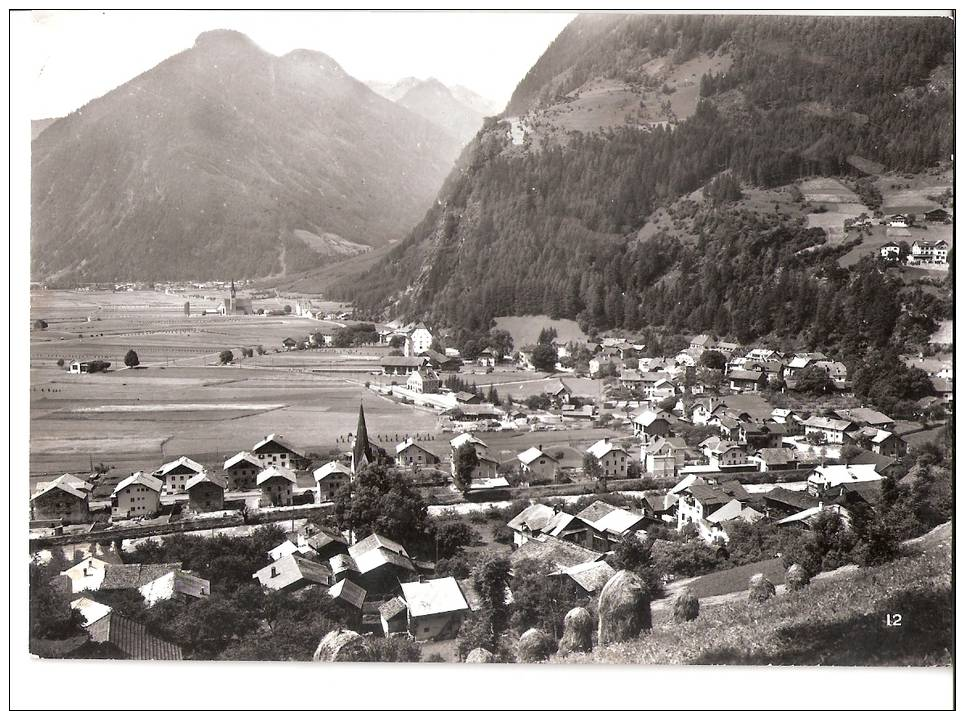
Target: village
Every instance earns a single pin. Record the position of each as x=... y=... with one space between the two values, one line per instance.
x=688 y=444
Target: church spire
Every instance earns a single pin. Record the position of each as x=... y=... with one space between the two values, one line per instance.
x=361 y=449
x=233 y=293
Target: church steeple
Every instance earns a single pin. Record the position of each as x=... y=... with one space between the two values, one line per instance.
x=361 y=449
x=233 y=292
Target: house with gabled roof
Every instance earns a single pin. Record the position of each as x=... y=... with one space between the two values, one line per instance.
x=780 y=502
x=663 y=456
x=176 y=474
x=277 y=484
x=382 y=564
x=423 y=380
x=554 y=552
x=293 y=572
x=329 y=479
x=175 y=585
x=392 y=614
x=241 y=471
x=435 y=608
x=136 y=496
x=274 y=449
x=866 y=417
x=486 y=468
x=587 y=579
x=205 y=491
x=829 y=476
x=350 y=597
x=529 y=522
x=612 y=458
x=648 y=425
x=829 y=429
x=61 y=500
x=538 y=466
x=410 y=454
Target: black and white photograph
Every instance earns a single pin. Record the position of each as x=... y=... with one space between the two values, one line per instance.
x=530 y=338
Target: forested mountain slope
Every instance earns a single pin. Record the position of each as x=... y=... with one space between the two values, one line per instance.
x=534 y=220
x=227 y=161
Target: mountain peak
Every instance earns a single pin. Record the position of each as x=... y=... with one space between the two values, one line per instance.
x=311 y=56
x=225 y=38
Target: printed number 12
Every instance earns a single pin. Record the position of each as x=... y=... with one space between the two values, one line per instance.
x=893 y=620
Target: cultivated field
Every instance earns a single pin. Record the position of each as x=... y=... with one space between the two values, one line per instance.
x=179 y=402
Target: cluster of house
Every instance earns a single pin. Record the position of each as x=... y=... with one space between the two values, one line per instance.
x=102 y=569
x=923 y=252
x=376 y=584
x=745 y=370
x=270 y=467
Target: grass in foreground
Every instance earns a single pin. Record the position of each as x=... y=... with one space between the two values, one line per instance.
x=839 y=621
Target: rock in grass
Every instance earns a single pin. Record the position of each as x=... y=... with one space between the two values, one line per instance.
x=577 y=631
x=534 y=646
x=796 y=577
x=760 y=588
x=686 y=606
x=342 y=646
x=624 y=608
x=480 y=656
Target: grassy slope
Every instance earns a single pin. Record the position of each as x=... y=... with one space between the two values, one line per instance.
x=838 y=621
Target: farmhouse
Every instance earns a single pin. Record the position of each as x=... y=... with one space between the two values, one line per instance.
x=423 y=380
x=780 y=502
x=866 y=417
x=413 y=455
x=127 y=639
x=567 y=527
x=828 y=429
x=587 y=579
x=176 y=474
x=663 y=457
x=401 y=365
x=486 y=469
x=649 y=425
x=890 y=251
x=611 y=457
x=826 y=478
x=926 y=252
x=65 y=499
x=205 y=492
x=938 y=215
x=137 y=496
x=293 y=572
x=329 y=478
x=723 y=453
x=175 y=585
x=610 y=528
x=277 y=484
x=792 y=421
x=241 y=471
x=770 y=458
x=435 y=608
x=382 y=564
x=746 y=380
x=88 y=574
x=535 y=465
x=529 y=523
x=275 y=450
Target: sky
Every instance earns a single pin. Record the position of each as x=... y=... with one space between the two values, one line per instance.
x=77 y=56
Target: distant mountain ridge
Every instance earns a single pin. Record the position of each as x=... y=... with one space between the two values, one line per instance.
x=207 y=164
x=456 y=109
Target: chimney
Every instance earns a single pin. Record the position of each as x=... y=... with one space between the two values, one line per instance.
x=274 y=572
x=540 y=447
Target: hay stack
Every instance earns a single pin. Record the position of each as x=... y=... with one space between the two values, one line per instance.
x=760 y=588
x=342 y=646
x=624 y=608
x=534 y=646
x=796 y=577
x=686 y=606
x=480 y=656
x=577 y=631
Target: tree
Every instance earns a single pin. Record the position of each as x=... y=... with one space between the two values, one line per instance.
x=500 y=342
x=466 y=463
x=60 y=362
x=544 y=357
x=288 y=308
x=50 y=614
x=491 y=578
x=540 y=598
x=397 y=342
x=814 y=380
x=226 y=357
x=714 y=360
x=667 y=404
x=382 y=500
x=131 y=359
x=452 y=536
x=591 y=466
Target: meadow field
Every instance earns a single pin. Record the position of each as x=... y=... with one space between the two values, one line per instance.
x=180 y=401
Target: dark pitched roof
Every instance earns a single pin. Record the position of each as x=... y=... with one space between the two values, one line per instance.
x=709 y=494
x=559 y=554
x=795 y=499
x=124 y=577
x=135 y=642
